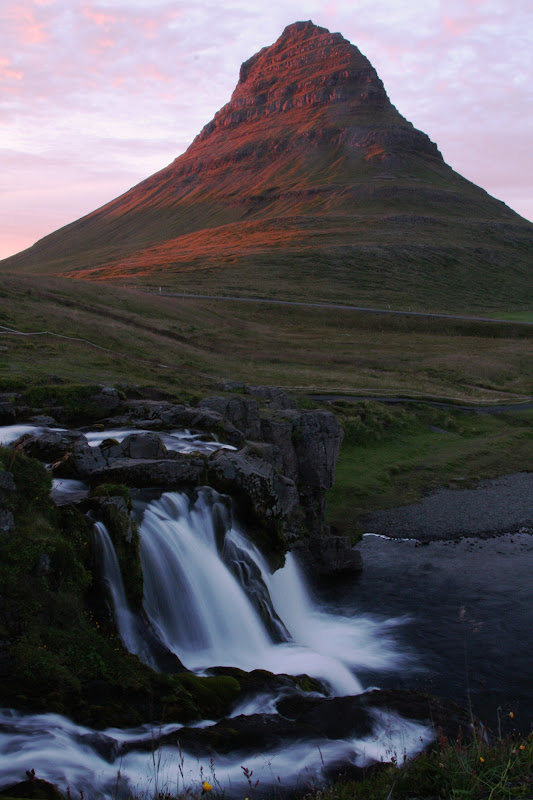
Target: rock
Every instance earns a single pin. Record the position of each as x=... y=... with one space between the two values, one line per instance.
x=171 y=473
x=32 y=789
x=242 y=412
x=169 y=414
x=7 y=482
x=271 y=499
x=80 y=462
x=42 y=420
x=7 y=521
x=276 y=398
x=317 y=437
x=311 y=718
x=108 y=399
x=8 y=413
x=106 y=747
x=49 y=445
x=328 y=558
x=309 y=443
x=136 y=446
x=278 y=432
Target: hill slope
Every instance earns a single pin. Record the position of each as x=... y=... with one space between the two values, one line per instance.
x=308 y=183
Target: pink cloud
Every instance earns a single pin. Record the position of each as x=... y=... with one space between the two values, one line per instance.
x=458 y=27
x=100 y=18
x=5 y=72
x=27 y=28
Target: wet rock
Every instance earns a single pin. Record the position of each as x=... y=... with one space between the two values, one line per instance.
x=8 y=413
x=311 y=718
x=49 y=445
x=32 y=789
x=81 y=461
x=137 y=446
x=328 y=558
x=171 y=473
x=106 y=747
x=42 y=420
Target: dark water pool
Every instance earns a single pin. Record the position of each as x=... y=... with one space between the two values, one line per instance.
x=469 y=605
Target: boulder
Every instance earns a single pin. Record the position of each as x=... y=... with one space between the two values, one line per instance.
x=80 y=461
x=136 y=446
x=49 y=445
x=108 y=399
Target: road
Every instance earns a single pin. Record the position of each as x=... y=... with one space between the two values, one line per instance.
x=393 y=401
x=338 y=307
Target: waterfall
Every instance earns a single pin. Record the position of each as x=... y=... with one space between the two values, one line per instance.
x=127 y=623
x=212 y=600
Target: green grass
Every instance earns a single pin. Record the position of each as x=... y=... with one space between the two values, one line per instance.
x=451 y=771
x=395 y=458
x=187 y=347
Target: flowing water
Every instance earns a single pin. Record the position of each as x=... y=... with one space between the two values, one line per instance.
x=451 y=618
x=212 y=600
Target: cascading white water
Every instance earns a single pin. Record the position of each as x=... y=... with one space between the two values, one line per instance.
x=126 y=622
x=204 y=615
x=60 y=751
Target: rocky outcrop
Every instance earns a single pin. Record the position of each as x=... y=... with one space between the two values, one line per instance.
x=279 y=474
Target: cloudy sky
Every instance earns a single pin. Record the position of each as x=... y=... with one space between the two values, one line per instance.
x=96 y=96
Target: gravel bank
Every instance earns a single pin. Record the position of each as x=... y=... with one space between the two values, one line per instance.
x=502 y=505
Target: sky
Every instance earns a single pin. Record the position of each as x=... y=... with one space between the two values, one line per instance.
x=97 y=96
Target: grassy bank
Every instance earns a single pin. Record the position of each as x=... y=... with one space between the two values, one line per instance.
x=391 y=456
x=476 y=771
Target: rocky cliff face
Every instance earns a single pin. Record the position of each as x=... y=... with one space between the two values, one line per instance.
x=309 y=170
x=307 y=72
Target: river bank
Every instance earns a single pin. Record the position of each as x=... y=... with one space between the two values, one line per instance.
x=496 y=506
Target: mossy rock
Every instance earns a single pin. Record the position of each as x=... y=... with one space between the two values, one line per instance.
x=212 y=695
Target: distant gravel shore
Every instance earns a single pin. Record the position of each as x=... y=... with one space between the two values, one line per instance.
x=501 y=505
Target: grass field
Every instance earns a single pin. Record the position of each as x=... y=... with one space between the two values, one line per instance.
x=186 y=345
x=188 y=348
x=391 y=456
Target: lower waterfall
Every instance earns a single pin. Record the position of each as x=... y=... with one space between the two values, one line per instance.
x=210 y=597
x=201 y=602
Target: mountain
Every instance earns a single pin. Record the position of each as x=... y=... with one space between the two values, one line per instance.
x=308 y=184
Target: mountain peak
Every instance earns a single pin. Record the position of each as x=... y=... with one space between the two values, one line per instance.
x=309 y=79
x=308 y=172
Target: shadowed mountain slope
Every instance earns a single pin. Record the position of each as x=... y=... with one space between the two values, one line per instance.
x=307 y=184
